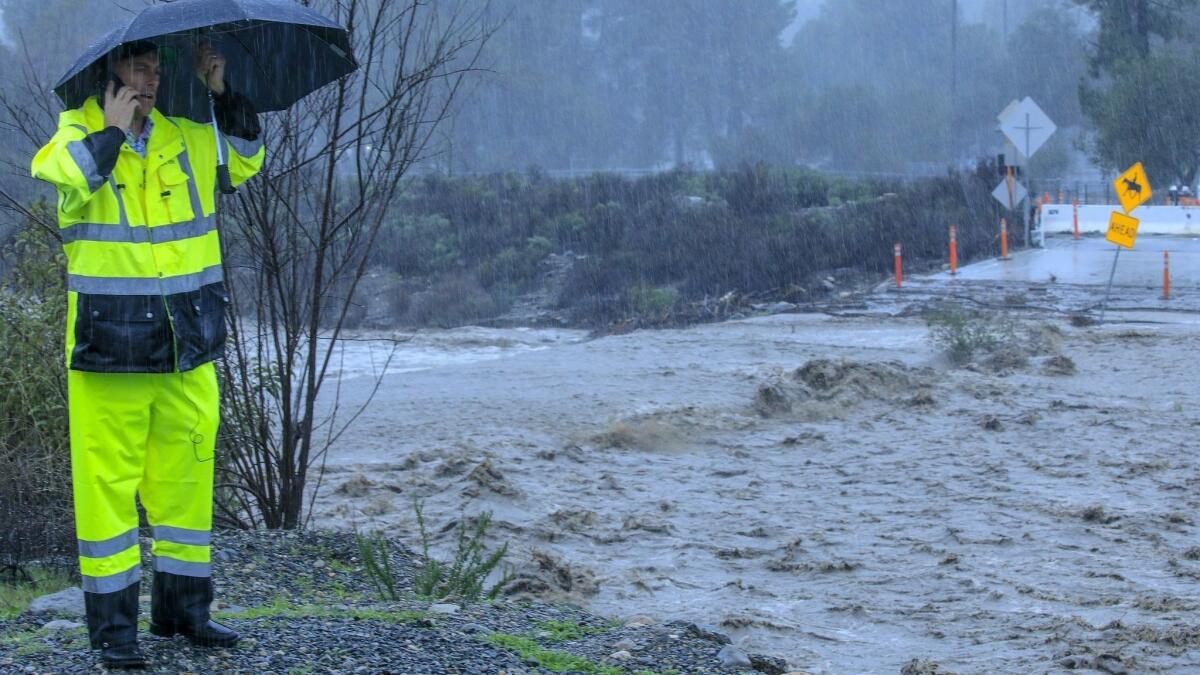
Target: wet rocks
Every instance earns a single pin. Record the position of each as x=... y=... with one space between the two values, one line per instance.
x=68 y=602
x=61 y=624
x=625 y=644
x=732 y=657
x=700 y=630
x=771 y=665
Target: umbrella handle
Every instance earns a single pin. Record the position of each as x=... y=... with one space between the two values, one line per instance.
x=223 y=180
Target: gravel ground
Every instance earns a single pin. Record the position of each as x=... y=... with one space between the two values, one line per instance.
x=304 y=604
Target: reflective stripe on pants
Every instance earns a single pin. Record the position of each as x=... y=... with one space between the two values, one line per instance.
x=151 y=435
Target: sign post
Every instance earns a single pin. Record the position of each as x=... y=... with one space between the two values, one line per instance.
x=1027 y=127
x=1133 y=190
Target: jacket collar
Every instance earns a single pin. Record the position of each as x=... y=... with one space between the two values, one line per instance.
x=165 y=137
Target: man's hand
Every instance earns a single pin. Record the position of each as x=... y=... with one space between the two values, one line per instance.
x=210 y=68
x=119 y=107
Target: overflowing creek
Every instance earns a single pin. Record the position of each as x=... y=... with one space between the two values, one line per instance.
x=825 y=488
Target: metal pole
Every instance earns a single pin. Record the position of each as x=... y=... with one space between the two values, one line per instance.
x=954 y=80
x=1108 y=291
x=1029 y=184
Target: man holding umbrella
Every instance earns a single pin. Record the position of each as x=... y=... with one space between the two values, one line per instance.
x=145 y=317
x=145 y=144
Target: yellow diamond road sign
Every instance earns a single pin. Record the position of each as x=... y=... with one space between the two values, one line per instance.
x=1122 y=229
x=1133 y=188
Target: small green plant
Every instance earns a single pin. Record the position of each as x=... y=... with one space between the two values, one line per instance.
x=963 y=334
x=462 y=579
x=375 y=551
x=561 y=631
x=281 y=608
x=554 y=661
x=24 y=643
x=652 y=302
x=465 y=576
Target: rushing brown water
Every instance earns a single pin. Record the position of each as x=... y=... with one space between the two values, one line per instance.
x=875 y=506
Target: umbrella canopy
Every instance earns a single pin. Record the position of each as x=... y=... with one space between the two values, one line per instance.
x=277 y=52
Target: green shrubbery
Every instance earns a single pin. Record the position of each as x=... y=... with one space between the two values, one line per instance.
x=35 y=469
x=462 y=579
x=751 y=230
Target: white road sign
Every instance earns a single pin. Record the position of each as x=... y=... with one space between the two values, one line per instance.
x=1026 y=126
x=1010 y=201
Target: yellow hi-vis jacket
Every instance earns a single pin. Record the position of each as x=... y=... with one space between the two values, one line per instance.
x=145 y=290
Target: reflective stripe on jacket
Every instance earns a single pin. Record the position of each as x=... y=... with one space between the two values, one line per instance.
x=145 y=289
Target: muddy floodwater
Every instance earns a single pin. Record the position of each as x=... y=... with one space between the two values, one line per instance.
x=829 y=489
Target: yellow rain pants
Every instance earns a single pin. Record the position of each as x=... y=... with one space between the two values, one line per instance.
x=151 y=435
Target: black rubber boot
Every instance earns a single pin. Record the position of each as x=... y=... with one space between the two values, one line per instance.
x=179 y=605
x=112 y=627
x=125 y=656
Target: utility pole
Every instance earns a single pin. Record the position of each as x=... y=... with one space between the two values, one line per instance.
x=954 y=81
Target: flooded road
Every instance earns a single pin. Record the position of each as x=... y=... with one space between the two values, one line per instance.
x=825 y=487
x=1089 y=261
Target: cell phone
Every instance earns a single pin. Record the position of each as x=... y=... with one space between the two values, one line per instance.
x=104 y=82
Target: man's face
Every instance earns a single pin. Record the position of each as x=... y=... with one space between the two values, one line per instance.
x=141 y=73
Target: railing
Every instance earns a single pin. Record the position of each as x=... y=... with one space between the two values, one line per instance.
x=1098 y=193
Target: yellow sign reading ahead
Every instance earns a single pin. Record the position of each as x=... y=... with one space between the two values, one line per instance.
x=1122 y=229
x=1133 y=188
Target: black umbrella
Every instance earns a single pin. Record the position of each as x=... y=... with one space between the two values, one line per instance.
x=277 y=52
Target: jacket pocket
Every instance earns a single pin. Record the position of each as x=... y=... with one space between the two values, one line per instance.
x=175 y=193
x=122 y=334
x=199 y=324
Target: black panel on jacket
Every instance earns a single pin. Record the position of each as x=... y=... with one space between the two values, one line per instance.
x=105 y=147
x=133 y=334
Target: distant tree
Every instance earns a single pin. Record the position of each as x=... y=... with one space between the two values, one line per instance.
x=1047 y=56
x=939 y=81
x=1151 y=113
x=1128 y=29
x=1142 y=95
